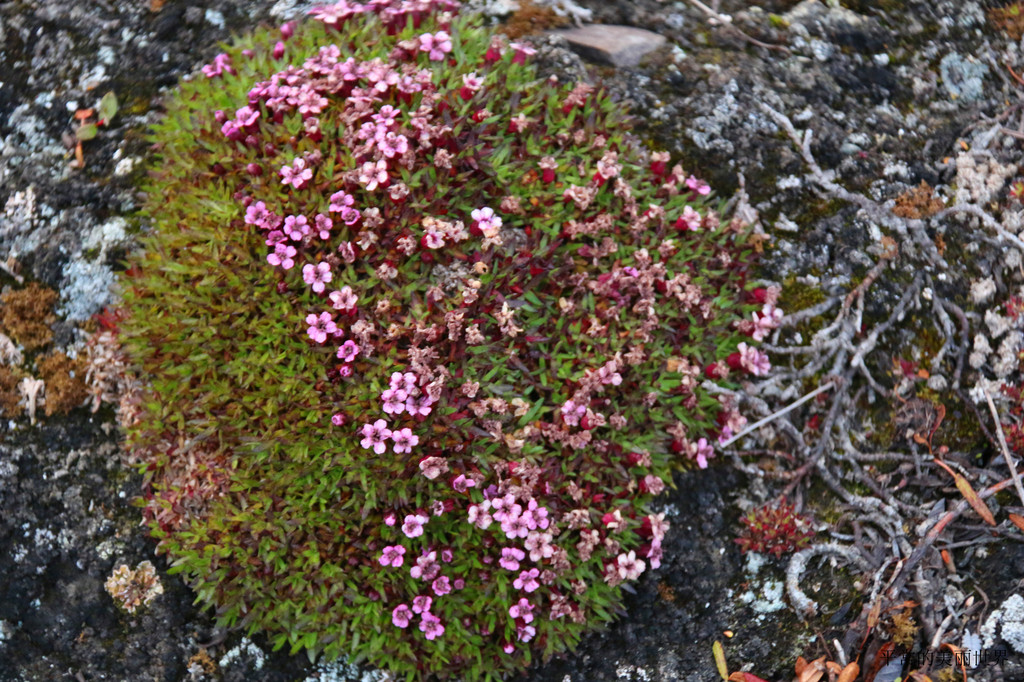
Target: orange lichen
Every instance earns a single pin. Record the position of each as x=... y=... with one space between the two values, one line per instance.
x=26 y=315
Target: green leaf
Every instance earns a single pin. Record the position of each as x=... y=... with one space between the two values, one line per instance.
x=108 y=107
x=86 y=132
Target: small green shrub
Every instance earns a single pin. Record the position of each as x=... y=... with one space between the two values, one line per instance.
x=423 y=337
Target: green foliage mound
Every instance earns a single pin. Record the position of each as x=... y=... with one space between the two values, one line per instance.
x=423 y=335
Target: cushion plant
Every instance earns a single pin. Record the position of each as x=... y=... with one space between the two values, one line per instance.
x=423 y=335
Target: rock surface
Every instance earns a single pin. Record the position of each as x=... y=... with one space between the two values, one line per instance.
x=620 y=46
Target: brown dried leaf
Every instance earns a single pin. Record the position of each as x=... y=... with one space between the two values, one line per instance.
x=972 y=499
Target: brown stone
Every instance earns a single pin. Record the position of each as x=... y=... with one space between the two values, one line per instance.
x=609 y=44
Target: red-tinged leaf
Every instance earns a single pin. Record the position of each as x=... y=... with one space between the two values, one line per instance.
x=972 y=499
x=1017 y=520
x=745 y=677
x=849 y=673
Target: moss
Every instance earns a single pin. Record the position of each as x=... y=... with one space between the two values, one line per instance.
x=530 y=19
x=266 y=487
x=65 y=382
x=9 y=396
x=26 y=315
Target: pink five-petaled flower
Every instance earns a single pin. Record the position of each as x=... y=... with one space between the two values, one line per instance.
x=344 y=299
x=441 y=586
x=297 y=174
x=374 y=436
x=394 y=400
x=323 y=225
x=283 y=256
x=422 y=604
x=524 y=633
x=753 y=360
x=404 y=440
x=523 y=609
x=372 y=175
x=436 y=45
x=690 y=220
x=403 y=381
x=629 y=566
x=348 y=351
x=401 y=616
x=413 y=527
x=431 y=626
x=486 y=220
x=338 y=419
x=296 y=227
x=392 y=556
x=527 y=580
x=765 y=322
x=317 y=275
x=221 y=63
x=510 y=558
x=320 y=326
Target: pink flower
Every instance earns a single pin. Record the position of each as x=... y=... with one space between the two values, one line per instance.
x=221 y=63
x=539 y=545
x=392 y=556
x=510 y=558
x=432 y=467
x=629 y=566
x=413 y=526
x=344 y=299
x=297 y=174
x=296 y=227
x=479 y=516
x=404 y=439
x=389 y=519
x=523 y=609
x=571 y=412
x=374 y=436
x=320 y=327
x=433 y=239
x=431 y=626
x=690 y=219
x=401 y=616
x=461 y=483
x=317 y=275
x=654 y=483
x=698 y=186
x=338 y=419
x=486 y=220
x=394 y=401
x=372 y=175
x=323 y=225
x=753 y=360
x=426 y=567
x=441 y=586
x=524 y=633
x=436 y=45
x=246 y=116
x=403 y=382
x=420 y=405
x=348 y=351
x=283 y=256
x=527 y=580
x=702 y=453
x=765 y=322
x=393 y=145
x=422 y=604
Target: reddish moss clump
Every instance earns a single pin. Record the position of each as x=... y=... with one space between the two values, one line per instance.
x=26 y=315
x=65 y=383
x=774 y=530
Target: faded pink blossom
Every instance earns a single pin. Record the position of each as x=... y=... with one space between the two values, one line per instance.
x=413 y=526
